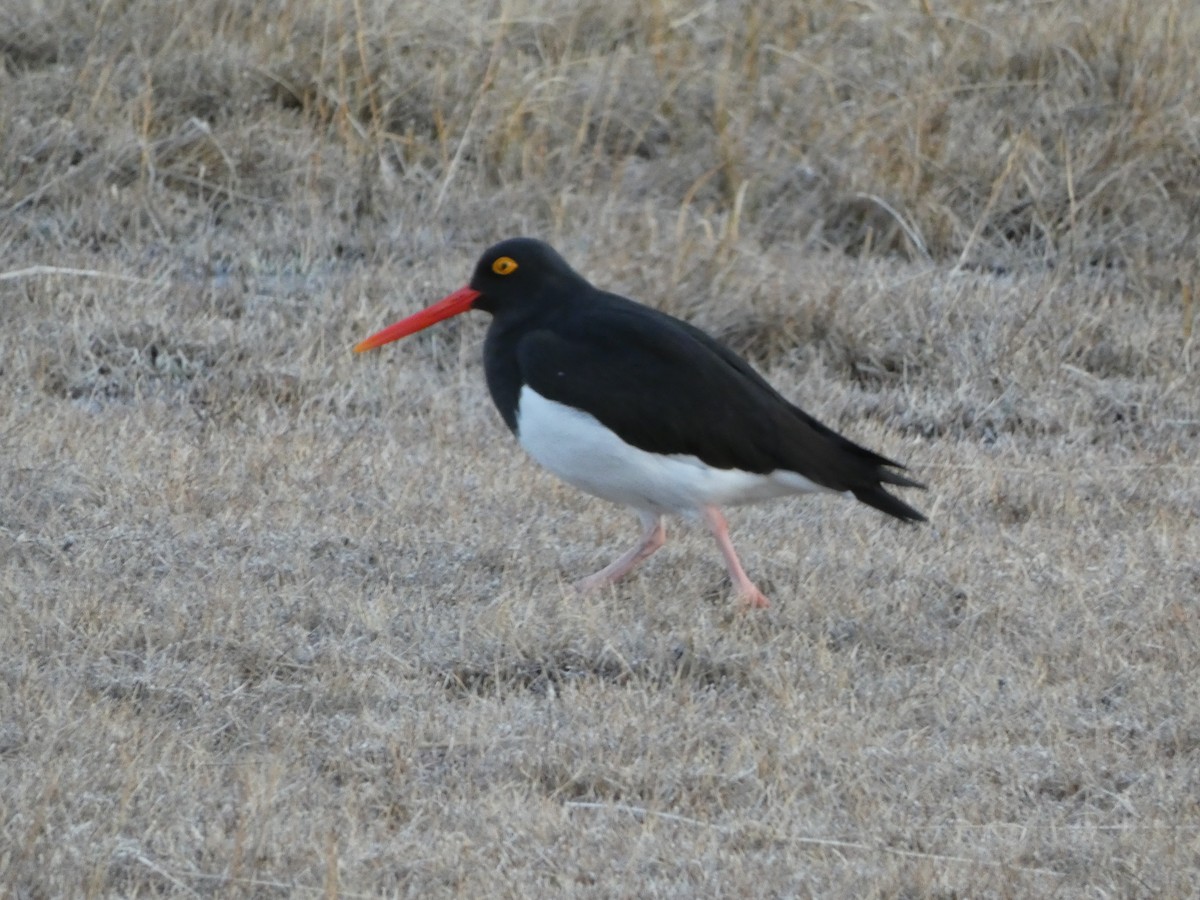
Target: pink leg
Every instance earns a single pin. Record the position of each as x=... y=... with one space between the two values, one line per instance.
x=748 y=594
x=653 y=537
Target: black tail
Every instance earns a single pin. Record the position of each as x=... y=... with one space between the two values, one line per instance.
x=836 y=462
x=884 y=471
x=877 y=497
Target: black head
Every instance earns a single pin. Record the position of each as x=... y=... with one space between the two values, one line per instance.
x=520 y=272
x=513 y=280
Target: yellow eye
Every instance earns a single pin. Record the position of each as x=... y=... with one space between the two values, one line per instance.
x=505 y=265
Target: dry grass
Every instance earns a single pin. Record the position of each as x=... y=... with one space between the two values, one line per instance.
x=282 y=621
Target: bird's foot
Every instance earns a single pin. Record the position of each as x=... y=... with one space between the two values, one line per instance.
x=752 y=598
x=653 y=537
x=592 y=583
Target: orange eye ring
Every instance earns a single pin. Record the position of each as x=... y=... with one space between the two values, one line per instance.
x=504 y=265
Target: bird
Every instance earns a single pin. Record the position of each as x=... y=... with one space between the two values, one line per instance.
x=640 y=408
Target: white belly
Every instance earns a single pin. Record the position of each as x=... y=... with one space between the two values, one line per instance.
x=578 y=449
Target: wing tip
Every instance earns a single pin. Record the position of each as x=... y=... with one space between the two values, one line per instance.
x=875 y=496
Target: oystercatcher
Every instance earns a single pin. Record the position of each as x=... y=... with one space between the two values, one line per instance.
x=642 y=409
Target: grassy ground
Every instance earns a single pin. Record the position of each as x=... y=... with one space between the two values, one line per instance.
x=279 y=620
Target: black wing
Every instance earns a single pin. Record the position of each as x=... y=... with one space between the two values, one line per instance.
x=664 y=386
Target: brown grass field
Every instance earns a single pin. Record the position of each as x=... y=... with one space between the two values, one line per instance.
x=280 y=620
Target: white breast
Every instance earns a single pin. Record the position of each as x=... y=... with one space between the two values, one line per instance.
x=578 y=449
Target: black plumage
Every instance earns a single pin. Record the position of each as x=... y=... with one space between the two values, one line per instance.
x=660 y=383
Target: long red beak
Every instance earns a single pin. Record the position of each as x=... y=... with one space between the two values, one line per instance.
x=458 y=302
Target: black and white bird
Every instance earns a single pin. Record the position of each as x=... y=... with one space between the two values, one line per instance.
x=642 y=409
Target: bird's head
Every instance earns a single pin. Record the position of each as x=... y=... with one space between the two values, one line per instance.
x=518 y=272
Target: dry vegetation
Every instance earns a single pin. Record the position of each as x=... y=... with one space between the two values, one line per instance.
x=276 y=620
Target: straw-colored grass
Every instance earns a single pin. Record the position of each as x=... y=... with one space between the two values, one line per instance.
x=280 y=620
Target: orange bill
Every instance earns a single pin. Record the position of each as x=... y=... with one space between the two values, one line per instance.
x=458 y=302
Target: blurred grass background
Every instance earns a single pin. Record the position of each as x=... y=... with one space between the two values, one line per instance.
x=279 y=620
